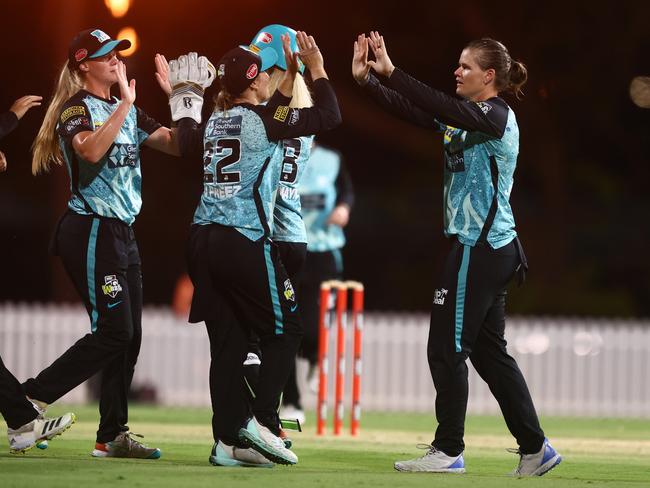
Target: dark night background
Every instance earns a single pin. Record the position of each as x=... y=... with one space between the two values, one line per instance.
x=580 y=197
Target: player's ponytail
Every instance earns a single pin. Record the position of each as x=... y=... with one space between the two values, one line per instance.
x=223 y=101
x=510 y=75
x=518 y=76
x=46 y=147
x=300 y=97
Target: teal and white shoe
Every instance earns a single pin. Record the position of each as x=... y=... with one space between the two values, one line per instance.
x=224 y=455
x=260 y=438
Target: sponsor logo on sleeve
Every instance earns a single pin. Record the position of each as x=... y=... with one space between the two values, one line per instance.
x=72 y=124
x=485 y=107
x=281 y=113
x=111 y=286
x=455 y=161
x=295 y=115
x=72 y=111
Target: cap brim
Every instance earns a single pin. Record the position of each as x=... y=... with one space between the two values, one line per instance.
x=119 y=45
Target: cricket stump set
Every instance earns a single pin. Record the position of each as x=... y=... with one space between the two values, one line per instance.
x=333 y=318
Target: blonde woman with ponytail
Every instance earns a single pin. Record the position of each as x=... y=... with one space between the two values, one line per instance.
x=98 y=139
x=481 y=142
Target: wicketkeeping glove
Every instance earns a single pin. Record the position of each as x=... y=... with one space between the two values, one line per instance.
x=189 y=76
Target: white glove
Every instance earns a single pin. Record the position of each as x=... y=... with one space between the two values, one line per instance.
x=189 y=76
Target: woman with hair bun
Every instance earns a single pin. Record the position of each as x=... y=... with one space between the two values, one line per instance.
x=481 y=144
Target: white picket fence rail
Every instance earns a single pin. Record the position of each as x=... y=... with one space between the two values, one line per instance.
x=578 y=367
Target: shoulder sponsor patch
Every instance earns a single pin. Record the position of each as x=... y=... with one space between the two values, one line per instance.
x=72 y=111
x=281 y=113
x=485 y=107
x=72 y=124
x=295 y=116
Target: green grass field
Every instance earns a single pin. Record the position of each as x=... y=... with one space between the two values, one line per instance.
x=597 y=452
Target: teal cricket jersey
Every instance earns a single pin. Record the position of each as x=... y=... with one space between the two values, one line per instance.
x=481 y=144
x=240 y=174
x=288 y=225
x=112 y=186
x=321 y=188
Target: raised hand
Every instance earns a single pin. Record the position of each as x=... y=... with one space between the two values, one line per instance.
x=290 y=57
x=310 y=55
x=383 y=65
x=23 y=104
x=162 y=73
x=3 y=162
x=127 y=88
x=360 y=64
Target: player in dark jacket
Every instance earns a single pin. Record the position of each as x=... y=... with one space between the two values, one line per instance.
x=481 y=143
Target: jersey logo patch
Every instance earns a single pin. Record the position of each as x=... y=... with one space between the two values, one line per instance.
x=455 y=161
x=72 y=111
x=485 y=107
x=111 y=286
x=122 y=155
x=224 y=126
x=281 y=113
x=295 y=115
x=76 y=122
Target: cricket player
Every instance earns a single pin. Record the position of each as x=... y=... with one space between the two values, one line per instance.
x=481 y=144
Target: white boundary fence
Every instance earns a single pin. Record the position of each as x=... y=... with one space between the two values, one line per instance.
x=585 y=367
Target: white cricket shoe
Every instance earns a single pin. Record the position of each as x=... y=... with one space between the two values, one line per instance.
x=224 y=455
x=539 y=463
x=260 y=438
x=434 y=461
x=27 y=436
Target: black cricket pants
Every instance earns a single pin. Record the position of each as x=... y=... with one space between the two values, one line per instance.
x=468 y=321
x=259 y=298
x=101 y=258
x=293 y=256
x=14 y=406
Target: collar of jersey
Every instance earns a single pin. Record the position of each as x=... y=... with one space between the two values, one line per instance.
x=107 y=100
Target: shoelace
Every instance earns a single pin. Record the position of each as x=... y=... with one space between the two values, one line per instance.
x=521 y=457
x=431 y=450
x=131 y=442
